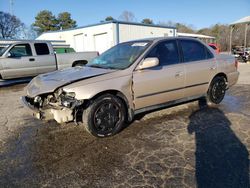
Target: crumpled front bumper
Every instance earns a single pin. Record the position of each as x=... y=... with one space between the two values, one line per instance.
x=62 y=115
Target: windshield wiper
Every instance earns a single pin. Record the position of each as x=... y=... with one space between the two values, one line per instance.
x=102 y=67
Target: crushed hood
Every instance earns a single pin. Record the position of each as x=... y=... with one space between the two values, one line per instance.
x=49 y=82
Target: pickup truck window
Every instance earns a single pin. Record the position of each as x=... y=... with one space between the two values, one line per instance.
x=41 y=49
x=20 y=50
x=166 y=52
x=192 y=50
x=3 y=49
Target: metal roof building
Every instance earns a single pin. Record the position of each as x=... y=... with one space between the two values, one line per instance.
x=205 y=38
x=100 y=37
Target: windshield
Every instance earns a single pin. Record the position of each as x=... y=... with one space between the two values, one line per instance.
x=120 y=56
x=3 y=49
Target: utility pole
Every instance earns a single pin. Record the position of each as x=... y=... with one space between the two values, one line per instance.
x=11 y=6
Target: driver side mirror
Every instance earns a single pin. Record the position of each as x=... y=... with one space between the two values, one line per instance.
x=148 y=63
x=9 y=54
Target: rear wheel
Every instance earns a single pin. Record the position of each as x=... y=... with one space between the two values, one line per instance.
x=217 y=90
x=105 y=116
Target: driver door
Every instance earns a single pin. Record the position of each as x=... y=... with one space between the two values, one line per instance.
x=161 y=84
x=19 y=63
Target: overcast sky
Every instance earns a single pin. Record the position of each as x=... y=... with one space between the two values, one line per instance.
x=199 y=13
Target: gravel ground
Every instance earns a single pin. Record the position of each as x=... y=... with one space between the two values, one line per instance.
x=185 y=146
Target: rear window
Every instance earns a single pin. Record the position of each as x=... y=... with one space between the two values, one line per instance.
x=193 y=50
x=41 y=49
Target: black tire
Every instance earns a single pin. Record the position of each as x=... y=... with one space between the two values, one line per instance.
x=78 y=65
x=105 y=116
x=217 y=90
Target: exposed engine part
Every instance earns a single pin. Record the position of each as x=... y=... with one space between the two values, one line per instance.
x=64 y=115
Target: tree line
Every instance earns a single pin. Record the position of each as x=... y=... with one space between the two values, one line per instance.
x=12 y=27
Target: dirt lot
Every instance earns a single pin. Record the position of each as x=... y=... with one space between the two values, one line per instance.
x=184 y=146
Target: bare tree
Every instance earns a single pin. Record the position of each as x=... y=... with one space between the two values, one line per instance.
x=27 y=32
x=127 y=16
x=168 y=23
x=10 y=25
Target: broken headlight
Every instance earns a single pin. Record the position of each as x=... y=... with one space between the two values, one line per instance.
x=68 y=99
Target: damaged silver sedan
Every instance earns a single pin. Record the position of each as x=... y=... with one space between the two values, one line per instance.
x=131 y=78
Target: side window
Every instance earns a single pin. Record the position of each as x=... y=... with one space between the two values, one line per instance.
x=20 y=50
x=209 y=54
x=41 y=48
x=192 y=50
x=166 y=52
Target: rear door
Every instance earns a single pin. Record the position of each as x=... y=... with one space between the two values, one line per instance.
x=19 y=63
x=45 y=59
x=200 y=66
x=163 y=83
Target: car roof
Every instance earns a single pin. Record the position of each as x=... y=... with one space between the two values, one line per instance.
x=157 y=39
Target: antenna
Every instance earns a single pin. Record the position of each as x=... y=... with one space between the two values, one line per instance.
x=11 y=6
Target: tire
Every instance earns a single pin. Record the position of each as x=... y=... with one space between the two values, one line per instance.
x=105 y=116
x=78 y=65
x=217 y=90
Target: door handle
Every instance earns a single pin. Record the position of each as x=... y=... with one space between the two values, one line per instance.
x=178 y=74
x=213 y=68
x=31 y=59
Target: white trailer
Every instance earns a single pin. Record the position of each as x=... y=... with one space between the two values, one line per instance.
x=100 y=37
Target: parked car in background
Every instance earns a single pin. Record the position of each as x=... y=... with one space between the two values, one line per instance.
x=240 y=53
x=30 y=58
x=131 y=78
x=215 y=47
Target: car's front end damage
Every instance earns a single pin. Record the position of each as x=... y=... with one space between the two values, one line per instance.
x=59 y=105
x=47 y=99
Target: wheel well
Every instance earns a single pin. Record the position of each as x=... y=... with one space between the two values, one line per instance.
x=81 y=62
x=121 y=96
x=221 y=74
x=1 y=76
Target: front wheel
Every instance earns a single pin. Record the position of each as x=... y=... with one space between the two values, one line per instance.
x=217 y=90
x=105 y=116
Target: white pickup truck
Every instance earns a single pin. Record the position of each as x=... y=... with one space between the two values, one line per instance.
x=31 y=58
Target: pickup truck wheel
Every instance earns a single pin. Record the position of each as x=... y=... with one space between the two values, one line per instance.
x=105 y=116
x=78 y=65
x=217 y=90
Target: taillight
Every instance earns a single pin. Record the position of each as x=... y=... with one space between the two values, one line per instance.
x=236 y=64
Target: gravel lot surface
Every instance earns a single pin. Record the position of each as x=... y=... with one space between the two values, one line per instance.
x=185 y=146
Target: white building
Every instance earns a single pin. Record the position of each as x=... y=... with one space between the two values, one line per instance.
x=102 y=36
x=205 y=38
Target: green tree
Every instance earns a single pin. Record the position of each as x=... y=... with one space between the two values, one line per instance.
x=183 y=28
x=65 y=21
x=45 y=21
x=109 y=18
x=147 y=21
x=9 y=25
